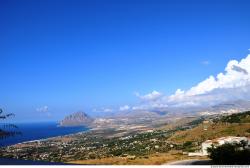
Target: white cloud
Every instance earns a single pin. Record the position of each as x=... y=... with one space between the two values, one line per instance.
x=235 y=78
x=43 y=109
x=107 y=110
x=124 y=108
x=206 y=62
x=149 y=97
x=150 y=106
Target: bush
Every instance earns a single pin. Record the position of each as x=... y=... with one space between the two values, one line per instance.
x=230 y=154
x=188 y=144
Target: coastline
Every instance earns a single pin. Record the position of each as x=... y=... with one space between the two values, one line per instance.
x=50 y=138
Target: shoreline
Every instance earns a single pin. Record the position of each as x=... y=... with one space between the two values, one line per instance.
x=48 y=138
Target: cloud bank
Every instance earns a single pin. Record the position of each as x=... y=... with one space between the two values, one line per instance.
x=232 y=84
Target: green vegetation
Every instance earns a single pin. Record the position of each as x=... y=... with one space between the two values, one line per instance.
x=230 y=154
x=188 y=146
x=236 y=118
x=140 y=144
x=190 y=125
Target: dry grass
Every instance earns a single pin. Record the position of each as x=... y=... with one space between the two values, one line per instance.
x=178 y=123
x=156 y=159
x=213 y=131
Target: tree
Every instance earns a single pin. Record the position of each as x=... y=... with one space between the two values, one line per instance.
x=6 y=129
x=230 y=154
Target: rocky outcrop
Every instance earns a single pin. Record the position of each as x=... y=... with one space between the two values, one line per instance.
x=77 y=119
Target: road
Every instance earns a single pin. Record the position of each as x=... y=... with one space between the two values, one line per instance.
x=190 y=162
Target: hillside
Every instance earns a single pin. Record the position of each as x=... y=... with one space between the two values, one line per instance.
x=233 y=125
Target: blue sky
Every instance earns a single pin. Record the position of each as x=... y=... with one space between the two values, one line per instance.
x=80 y=55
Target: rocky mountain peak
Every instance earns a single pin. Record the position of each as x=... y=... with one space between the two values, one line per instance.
x=77 y=119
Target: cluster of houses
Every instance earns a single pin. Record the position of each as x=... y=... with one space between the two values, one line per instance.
x=217 y=142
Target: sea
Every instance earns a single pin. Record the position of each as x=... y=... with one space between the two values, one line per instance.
x=36 y=131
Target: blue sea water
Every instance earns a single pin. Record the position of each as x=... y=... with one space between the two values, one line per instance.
x=35 y=131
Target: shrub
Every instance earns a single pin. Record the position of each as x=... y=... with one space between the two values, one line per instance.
x=230 y=154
